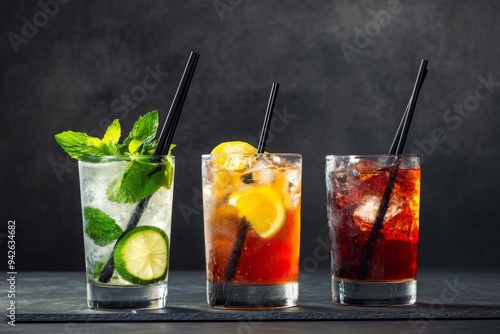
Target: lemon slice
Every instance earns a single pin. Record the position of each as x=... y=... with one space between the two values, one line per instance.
x=262 y=207
x=141 y=256
x=232 y=147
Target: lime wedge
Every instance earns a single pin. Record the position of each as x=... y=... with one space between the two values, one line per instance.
x=141 y=256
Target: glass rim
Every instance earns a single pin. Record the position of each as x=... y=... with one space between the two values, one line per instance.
x=297 y=155
x=113 y=158
x=330 y=156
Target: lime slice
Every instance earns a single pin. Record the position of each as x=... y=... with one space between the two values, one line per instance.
x=141 y=256
x=235 y=162
x=262 y=207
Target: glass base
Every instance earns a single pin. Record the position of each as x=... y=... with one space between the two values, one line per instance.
x=252 y=296
x=374 y=293
x=105 y=296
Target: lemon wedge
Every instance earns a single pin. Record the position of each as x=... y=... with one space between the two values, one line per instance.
x=222 y=154
x=262 y=207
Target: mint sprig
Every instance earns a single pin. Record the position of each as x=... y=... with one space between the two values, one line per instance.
x=141 y=177
x=140 y=141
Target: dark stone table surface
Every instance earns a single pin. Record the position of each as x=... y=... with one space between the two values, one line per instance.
x=451 y=300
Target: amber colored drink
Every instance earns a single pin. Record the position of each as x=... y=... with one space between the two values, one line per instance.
x=362 y=257
x=252 y=229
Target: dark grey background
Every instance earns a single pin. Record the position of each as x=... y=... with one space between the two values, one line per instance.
x=91 y=52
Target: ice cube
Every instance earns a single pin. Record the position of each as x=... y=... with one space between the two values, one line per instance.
x=260 y=163
x=264 y=176
x=262 y=172
x=365 y=169
x=366 y=166
x=340 y=180
x=293 y=177
x=365 y=214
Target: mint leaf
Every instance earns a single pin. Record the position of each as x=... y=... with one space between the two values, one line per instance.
x=135 y=146
x=113 y=149
x=100 y=227
x=149 y=148
x=113 y=133
x=78 y=144
x=111 y=138
x=172 y=146
x=169 y=172
x=96 y=268
x=144 y=129
x=140 y=180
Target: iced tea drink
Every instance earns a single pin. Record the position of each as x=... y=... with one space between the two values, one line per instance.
x=373 y=215
x=251 y=208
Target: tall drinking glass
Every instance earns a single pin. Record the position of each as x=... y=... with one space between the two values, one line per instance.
x=373 y=216
x=251 y=206
x=127 y=208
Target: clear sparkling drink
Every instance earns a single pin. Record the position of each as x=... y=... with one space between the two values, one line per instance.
x=127 y=209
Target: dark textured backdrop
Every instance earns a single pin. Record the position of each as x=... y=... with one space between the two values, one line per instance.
x=346 y=71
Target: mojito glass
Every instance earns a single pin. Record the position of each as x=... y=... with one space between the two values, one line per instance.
x=373 y=215
x=251 y=208
x=126 y=208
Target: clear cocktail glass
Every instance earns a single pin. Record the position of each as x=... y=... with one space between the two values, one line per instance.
x=127 y=208
x=251 y=208
x=373 y=216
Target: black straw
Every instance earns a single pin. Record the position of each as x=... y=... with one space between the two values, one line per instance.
x=397 y=137
x=413 y=102
x=238 y=246
x=167 y=133
x=267 y=119
x=244 y=224
x=400 y=139
x=166 y=136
